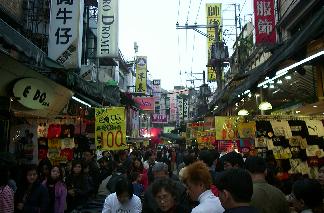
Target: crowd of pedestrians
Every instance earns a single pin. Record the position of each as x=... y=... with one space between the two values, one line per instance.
x=168 y=180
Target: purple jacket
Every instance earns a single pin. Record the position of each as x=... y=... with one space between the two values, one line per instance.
x=60 y=197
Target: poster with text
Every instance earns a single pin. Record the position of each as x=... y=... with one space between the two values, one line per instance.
x=141 y=74
x=110 y=127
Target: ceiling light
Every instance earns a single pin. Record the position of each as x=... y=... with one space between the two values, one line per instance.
x=243 y=112
x=265 y=86
x=80 y=101
x=279 y=82
x=288 y=77
x=315 y=106
x=265 y=106
x=271 y=86
x=297 y=111
x=257 y=95
x=285 y=70
x=249 y=95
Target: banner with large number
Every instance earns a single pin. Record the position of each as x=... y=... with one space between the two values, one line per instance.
x=141 y=74
x=214 y=15
x=107 y=29
x=65 y=32
x=110 y=127
x=264 y=17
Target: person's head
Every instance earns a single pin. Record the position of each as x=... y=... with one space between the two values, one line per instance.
x=207 y=157
x=103 y=162
x=124 y=190
x=56 y=173
x=165 y=193
x=31 y=174
x=306 y=194
x=197 y=179
x=151 y=156
x=106 y=154
x=236 y=188
x=160 y=170
x=256 y=166
x=77 y=167
x=137 y=164
x=188 y=159
x=4 y=174
x=321 y=175
x=44 y=168
x=233 y=160
x=135 y=177
x=87 y=155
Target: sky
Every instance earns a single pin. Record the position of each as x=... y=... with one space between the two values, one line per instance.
x=173 y=54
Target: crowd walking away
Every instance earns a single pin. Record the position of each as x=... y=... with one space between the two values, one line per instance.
x=157 y=180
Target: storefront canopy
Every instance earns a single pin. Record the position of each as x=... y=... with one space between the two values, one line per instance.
x=296 y=44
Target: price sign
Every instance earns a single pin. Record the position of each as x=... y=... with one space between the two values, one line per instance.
x=110 y=131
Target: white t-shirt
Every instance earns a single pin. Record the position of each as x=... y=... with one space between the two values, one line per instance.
x=208 y=202
x=112 y=205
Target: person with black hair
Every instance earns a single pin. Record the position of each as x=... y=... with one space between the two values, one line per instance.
x=167 y=197
x=94 y=171
x=31 y=195
x=265 y=198
x=236 y=189
x=208 y=158
x=232 y=160
x=123 y=200
x=307 y=196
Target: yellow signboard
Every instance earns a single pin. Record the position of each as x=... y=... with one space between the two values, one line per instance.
x=214 y=15
x=141 y=74
x=110 y=131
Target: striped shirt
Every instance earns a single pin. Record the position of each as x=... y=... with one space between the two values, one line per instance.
x=6 y=199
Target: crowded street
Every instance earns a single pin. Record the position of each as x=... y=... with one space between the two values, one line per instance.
x=173 y=106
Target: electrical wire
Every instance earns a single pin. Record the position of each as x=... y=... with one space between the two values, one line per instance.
x=188 y=11
x=198 y=11
x=179 y=10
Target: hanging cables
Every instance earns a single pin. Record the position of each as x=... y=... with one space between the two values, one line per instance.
x=198 y=11
x=188 y=11
x=178 y=11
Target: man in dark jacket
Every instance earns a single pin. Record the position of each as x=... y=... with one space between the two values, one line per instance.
x=235 y=191
x=94 y=170
x=161 y=171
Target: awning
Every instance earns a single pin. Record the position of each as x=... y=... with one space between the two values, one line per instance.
x=297 y=43
x=12 y=70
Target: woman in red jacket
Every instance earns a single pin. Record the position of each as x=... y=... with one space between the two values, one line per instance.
x=137 y=166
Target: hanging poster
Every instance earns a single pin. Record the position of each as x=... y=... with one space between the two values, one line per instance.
x=214 y=15
x=110 y=128
x=65 y=32
x=264 y=17
x=145 y=103
x=226 y=127
x=141 y=74
x=107 y=30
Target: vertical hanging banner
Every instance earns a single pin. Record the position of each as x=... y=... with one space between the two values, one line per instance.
x=214 y=15
x=180 y=108
x=173 y=107
x=141 y=74
x=157 y=90
x=107 y=29
x=110 y=127
x=185 y=109
x=264 y=17
x=65 y=32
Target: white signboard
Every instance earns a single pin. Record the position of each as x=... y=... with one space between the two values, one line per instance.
x=65 y=32
x=180 y=108
x=107 y=28
x=173 y=107
x=157 y=90
x=185 y=109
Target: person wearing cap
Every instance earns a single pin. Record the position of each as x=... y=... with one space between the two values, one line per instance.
x=161 y=171
x=266 y=198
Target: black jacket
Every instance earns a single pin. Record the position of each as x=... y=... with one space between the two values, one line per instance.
x=37 y=199
x=242 y=209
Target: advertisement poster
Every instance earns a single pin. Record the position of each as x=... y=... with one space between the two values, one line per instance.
x=110 y=127
x=159 y=119
x=226 y=127
x=145 y=103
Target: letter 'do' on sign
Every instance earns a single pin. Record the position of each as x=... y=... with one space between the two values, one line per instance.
x=33 y=93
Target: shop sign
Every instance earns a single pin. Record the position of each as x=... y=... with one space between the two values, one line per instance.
x=146 y=103
x=158 y=118
x=141 y=74
x=33 y=93
x=107 y=28
x=110 y=128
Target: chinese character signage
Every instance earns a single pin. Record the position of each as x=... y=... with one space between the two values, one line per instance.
x=185 y=109
x=180 y=108
x=159 y=119
x=110 y=127
x=265 y=29
x=157 y=90
x=145 y=103
x=141 y=74
x=107 y=29
x=214 y=15
x=65 y=32
x=173 y=107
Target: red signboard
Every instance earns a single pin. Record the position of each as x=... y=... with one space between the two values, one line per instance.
x=159 y=119
x=145 y=103
x=265 y=29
